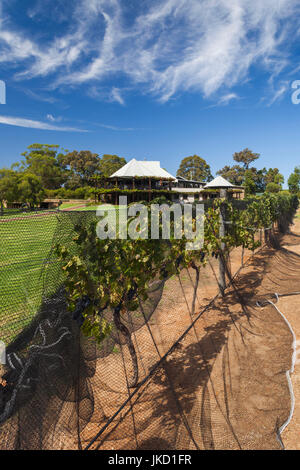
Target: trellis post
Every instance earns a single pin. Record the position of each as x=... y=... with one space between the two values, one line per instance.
x=222 y=233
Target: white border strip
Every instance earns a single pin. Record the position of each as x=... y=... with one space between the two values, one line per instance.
x=288 y=376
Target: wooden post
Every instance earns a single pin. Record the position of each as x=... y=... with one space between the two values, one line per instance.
x=222 y=257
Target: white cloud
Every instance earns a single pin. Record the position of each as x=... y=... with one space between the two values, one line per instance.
x=224 y=100
x=51 y=118
x=23 y=122
x=278 y=93
x=115 y=128
x=116 y=96
x=166 y=47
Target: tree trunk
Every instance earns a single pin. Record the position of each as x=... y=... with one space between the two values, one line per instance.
x=122 y=328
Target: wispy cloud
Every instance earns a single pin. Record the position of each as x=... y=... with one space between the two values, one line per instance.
x=40 y=97
x=114 y=128
x=28 y=123
x=108 y=94
x=51 y=118
x=226 y=99
x=116 y=96
x=276 y=91
x=162 y=47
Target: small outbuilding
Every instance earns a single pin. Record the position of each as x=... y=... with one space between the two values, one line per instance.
x=213 y=189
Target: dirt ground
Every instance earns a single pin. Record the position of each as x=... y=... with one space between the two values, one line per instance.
x=226 y=385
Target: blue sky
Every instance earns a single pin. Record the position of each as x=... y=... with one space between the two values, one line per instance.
x=152 y=79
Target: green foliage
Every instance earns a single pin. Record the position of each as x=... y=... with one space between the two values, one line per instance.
x=44 y=161
x=233 y=174
x=294 y=181
x=8 y=185
x=273 y=188
x=80 y=166
x=246 y=157
x=110 y=164
x=114 y=274
x=249 y=183
x=83 y=192
x=23 y=187
x=194 y=168
x=273 y=176
x=254 y=180
x=30 y=189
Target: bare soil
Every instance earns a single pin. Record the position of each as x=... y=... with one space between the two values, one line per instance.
x=225 y=386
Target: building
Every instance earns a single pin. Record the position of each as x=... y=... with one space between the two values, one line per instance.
x=139 y=180
x=146 y=180
x=187 y=190
x=143 y=175
x=212 y=189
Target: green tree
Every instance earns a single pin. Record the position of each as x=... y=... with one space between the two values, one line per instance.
x=234 y=174
x=30 y=189
x=294 y=181
x=259 y=177
x=109 y=164
x=273 y=176
x=249 y=183
x=81 y=166
x=194 y=168
x=8 y=186
x=273 y=187
x=44 y=161
x=246 y=157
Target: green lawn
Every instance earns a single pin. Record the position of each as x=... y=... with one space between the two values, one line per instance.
x=70 y=205
x=25 y=242
x=78 y=206
x=87 y=208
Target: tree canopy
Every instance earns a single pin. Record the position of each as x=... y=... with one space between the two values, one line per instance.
x=233 y=174
x=8 y=186
x=294 y=180
x=110 y=164
x=246 y=157
x=254 y=180
x=44 y=161
x=194 y=168
x=81 y=165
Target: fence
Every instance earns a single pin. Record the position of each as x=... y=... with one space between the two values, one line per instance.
x=205 y=379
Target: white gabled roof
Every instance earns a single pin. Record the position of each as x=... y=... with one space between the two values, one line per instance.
x=218 y=182
x=142 y=168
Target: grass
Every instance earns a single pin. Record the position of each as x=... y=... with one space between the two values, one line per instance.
x=87 y=208
x=78 y=206
x=25 y=242
x=68 y=205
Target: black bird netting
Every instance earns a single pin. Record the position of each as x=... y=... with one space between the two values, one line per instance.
x=213 y=371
